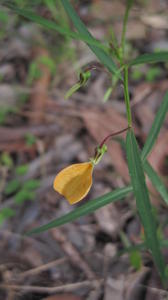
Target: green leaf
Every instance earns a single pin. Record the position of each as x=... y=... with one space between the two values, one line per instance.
x=31 y=184
x=21 y=170
x=139 y=247
x=153 y=73
x=136 y=260
x=3 y=115
x=3 y=16
x=24 y=195
x=48 y=62
x=156 y=126
x=6 y=213
x=12 y=187
x=85 y=209
x=6 y=160
x=150 y=58
x=5 y=111
x=153 y=176
x=53 y=26
x=105 y=59
x=156 y=181
x=34 y=72
x=136 y=73
x=30 y=139
x=143 y=201
x=107 y=94
x=72 y=90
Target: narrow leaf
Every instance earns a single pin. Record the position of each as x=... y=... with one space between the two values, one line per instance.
x=156 y=181
x=152 y=175
x=156 y=126
x=150 y=58
x=143 y=201
x=85 y=209
x=28 y=14
x=136 y=259
x=81 y=28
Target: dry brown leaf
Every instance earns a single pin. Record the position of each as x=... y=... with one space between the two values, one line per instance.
x=101 y=123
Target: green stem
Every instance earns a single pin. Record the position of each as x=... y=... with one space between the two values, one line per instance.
x=128 y=7
x=127 y=98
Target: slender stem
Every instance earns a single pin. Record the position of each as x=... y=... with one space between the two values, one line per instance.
x=102 y=148
x=128 y=7
x=127 y=98
x=111 y=135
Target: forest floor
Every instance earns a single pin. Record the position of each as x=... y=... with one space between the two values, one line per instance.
x=41 y=133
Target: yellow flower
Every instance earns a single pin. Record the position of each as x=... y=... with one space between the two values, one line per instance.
x=74 y=182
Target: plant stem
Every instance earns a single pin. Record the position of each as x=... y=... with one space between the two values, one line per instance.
x=111 y=135
x=128 y=7
x=127 y=98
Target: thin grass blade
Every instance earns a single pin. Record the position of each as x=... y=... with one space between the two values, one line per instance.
x=85 y=209
x=143 y=201
x=156 y=126
x=156 y=181
x=81 y=28
x=150 y=58
x=48 y=24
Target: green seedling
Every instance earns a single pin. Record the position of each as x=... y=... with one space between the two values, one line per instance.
x=6 y=160
x=6 y=213
x=30 y=139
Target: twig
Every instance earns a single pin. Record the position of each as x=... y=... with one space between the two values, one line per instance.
x=62 y=288
x=72 y=252
x=42 y=268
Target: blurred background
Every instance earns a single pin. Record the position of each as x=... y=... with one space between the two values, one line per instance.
x=41 y=133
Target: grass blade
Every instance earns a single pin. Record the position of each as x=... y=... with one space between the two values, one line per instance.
x=150 y=58
x=156 y=181
x=156 y=126
x=53 y=26
x=85 y=209
x=143 y=201
x=81 y=28
x=153 y=176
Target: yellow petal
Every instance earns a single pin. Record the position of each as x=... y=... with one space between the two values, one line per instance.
x=74 y=182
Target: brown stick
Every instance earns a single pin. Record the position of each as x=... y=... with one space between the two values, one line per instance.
x=63 y=288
